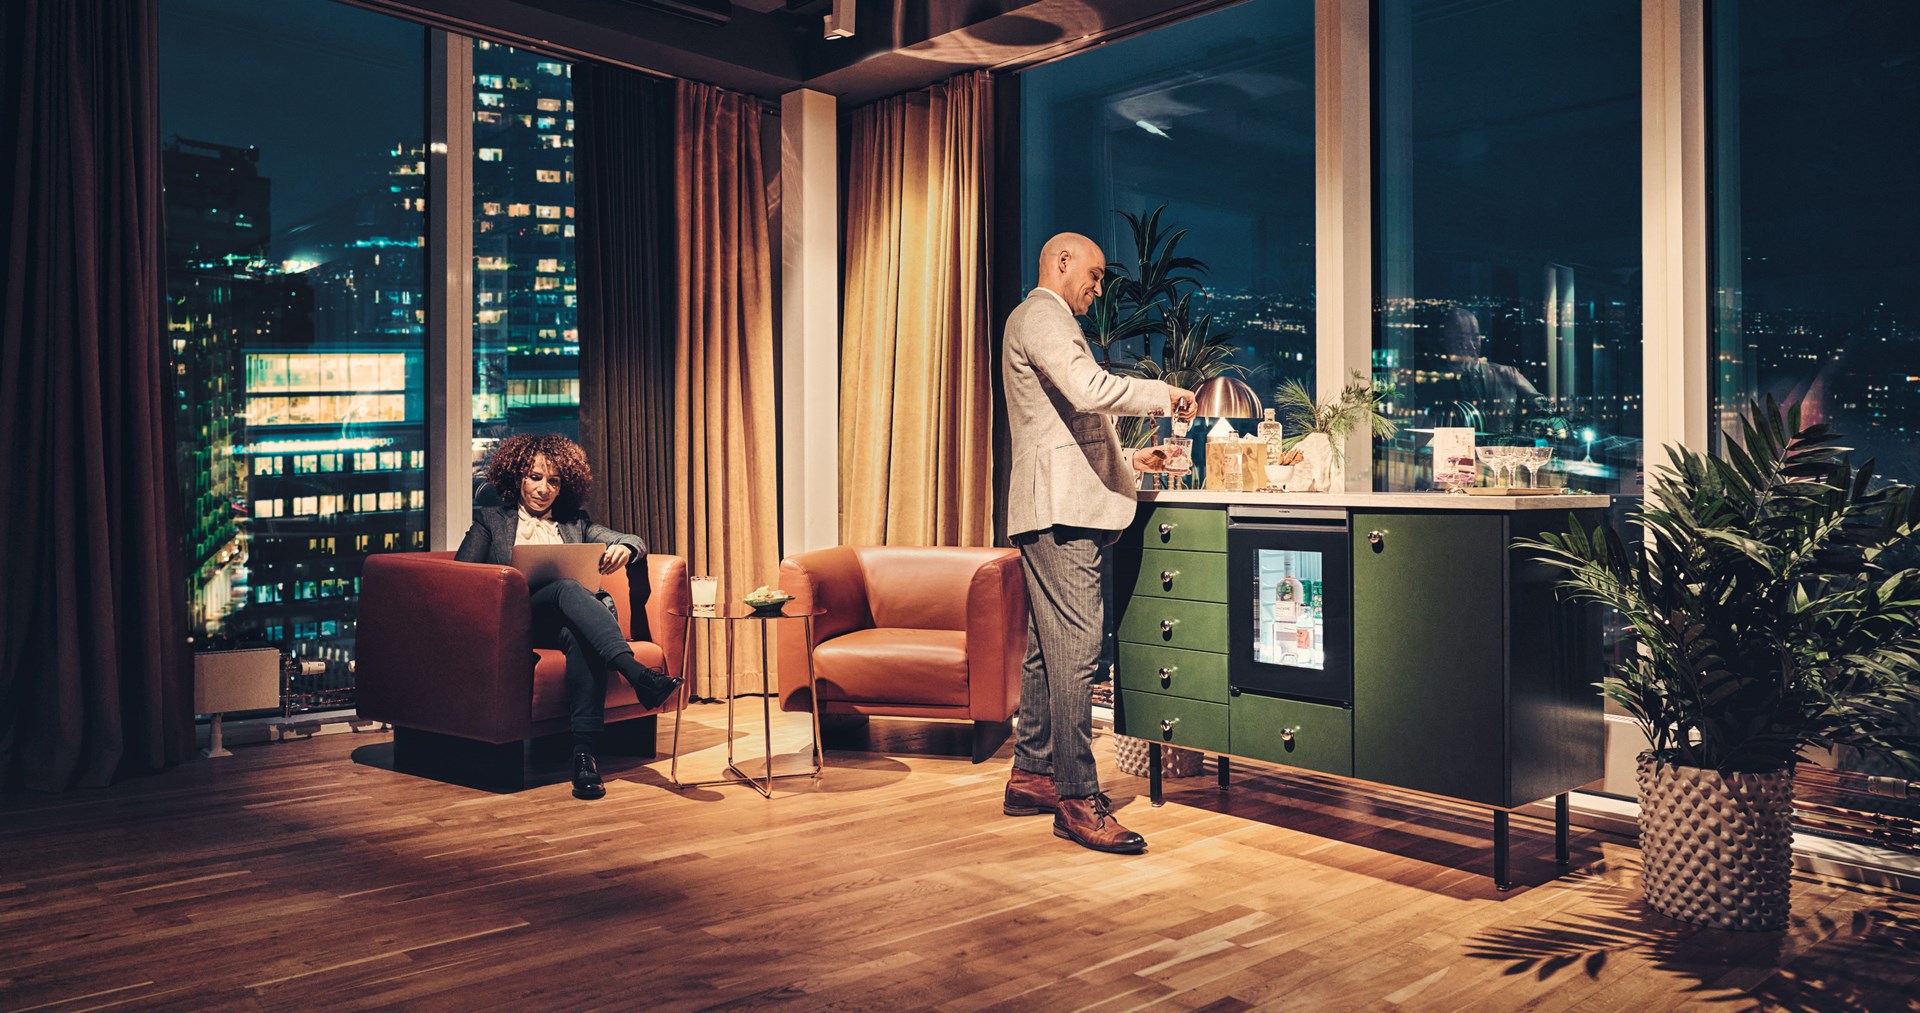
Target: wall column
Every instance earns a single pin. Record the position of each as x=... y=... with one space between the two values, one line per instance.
x=810 y=322
x=1343 y=213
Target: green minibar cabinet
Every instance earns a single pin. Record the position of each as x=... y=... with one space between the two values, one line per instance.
x=1471 y=678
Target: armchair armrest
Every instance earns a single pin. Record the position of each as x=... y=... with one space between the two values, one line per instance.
x=824 y=578
x=996 y=637
x=444 y=646
x=667 y=590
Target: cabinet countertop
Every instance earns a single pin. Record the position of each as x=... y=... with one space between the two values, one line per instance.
x=1375 y=500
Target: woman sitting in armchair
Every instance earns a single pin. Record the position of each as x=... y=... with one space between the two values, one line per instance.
x=543 y=479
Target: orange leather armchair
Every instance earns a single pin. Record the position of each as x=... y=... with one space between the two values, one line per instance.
x=443 y=654
x=909 y=632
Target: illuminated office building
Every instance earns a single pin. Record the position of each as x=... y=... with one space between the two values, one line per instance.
x=525 y=336
x=222 y=297
x=335 y=439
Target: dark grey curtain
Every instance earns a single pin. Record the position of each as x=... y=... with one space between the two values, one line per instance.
x=623 y=180
x=95 y=675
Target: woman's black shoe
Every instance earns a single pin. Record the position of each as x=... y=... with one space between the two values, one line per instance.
x=653 y=687
x=586 y=777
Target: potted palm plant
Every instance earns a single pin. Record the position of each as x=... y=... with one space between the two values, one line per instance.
x=1770 y=620
x=1320 y=428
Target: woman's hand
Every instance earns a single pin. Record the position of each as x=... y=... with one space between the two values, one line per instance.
x=614 y=558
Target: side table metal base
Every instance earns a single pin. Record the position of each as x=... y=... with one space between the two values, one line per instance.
x=764 y=782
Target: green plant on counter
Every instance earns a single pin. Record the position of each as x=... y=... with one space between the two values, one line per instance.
x=1154 y=298
x=1356 y=406
x=1768 y=613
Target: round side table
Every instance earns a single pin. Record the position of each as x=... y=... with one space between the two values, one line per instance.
x=732 y=615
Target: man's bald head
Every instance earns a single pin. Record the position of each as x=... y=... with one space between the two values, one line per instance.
x=1072 y=267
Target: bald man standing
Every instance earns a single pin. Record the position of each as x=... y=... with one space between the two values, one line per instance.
x=1072 y=492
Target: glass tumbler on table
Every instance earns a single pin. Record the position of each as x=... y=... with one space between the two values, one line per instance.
x=705 y=591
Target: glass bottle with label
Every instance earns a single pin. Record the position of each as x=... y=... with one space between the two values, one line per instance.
x=1271 y=434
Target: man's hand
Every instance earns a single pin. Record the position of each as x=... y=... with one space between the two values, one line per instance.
x=614 y=558
x=1150 y=459
x=1181 y=403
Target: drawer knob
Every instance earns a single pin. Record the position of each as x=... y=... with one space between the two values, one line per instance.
x=1166 y=531
x=1166 y=674
x=1166 y=725
x=1287 y=734
x=1166 y=578
x=1167 y=625
x=1374 y=538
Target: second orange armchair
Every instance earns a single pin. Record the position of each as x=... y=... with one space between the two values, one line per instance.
x=924 y=632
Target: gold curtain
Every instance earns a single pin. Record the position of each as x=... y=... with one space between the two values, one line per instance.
x=726 y=505
x=916 y=404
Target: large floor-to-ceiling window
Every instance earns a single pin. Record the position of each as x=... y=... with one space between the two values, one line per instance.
x=1214 y=119
x=296 y=214
x=1816 y=247
x=299 y=302
x=1507 y=188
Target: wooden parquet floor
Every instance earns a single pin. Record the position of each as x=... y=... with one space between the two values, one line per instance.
x=303 y=874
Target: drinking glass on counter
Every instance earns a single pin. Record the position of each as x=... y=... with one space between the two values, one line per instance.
x=1535 y=458
x=1490 y=457
x=1179 y=455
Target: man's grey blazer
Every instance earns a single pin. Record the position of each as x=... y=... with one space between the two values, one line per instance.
x=1068 y=465
x=490 y=540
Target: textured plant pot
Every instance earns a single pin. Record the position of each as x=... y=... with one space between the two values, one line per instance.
x=1718 y=848
x=1131 y=756
x=1314 y=472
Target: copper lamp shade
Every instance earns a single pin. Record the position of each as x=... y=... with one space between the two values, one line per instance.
x=1227 y=398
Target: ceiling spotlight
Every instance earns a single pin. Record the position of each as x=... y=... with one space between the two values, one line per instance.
x=840 y=20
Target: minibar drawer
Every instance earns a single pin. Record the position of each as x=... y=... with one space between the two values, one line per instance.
x=1196 y=675
x=1170 y=573
x=1196 y=528
x=1170 y=622
x=1173 y=721
x=1310 y=735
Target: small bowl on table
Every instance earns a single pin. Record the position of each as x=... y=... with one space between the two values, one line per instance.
x=768 y=605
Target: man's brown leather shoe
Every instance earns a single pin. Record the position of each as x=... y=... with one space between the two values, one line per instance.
x=1089 y=823
x=1030 y=794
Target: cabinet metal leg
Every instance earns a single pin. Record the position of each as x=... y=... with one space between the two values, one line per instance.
x=1501 y=881
x=1153 y=774
x=1562 y=821
x=1225 y=772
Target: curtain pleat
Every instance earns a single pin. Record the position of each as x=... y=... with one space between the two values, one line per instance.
x=916 y=404
x=726 y=511
x=624 y=172
x=94 y=665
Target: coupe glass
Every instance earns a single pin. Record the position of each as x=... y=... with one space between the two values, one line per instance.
x=1537 y=458
x=1491 y=458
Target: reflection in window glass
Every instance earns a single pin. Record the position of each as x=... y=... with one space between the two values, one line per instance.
x=1507 y=139
x=1817 y=108
x=1816 y=247
x=295 y=222
x=1214 y=118
x=522 y=341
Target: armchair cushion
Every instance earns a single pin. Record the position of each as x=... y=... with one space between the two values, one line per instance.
x=922 y=667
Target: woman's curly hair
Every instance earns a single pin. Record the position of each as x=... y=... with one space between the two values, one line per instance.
x=513 y=458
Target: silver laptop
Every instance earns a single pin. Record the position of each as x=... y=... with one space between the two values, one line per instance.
x=544 y=564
